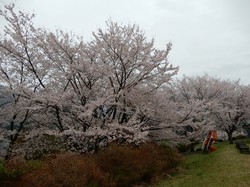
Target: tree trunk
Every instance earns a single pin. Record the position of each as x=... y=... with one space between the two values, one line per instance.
x=13 y=138
x=229 y=132
x=230 y=137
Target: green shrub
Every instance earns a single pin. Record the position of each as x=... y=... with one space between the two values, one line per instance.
x=16 y=167
x=7 y=175
x=2 y=170
x=12 y=170
x=182 y=148
x=240 y=137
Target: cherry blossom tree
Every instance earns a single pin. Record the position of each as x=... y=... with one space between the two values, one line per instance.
x=116 y=87
x=135 y=65
x=190 y=98
x=204 y=103
x=61 y=86
x=231 y=109
x=16 y=59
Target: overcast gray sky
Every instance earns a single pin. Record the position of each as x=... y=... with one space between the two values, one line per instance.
x=211 y=36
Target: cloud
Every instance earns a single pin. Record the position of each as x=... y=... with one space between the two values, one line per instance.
x=208 y=36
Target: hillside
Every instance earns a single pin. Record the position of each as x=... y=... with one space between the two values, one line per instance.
x=224 y=167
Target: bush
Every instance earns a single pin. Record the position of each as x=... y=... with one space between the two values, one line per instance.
x=9 y=173
x=117 y=165
x=182 y=148
x=241 y=136
x=12 y=170
x=129 y=165
x=67 y=169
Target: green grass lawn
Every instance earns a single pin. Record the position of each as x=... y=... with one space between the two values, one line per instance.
x=224 y=167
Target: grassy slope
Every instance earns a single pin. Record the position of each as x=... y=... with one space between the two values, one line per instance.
x=224 y=167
